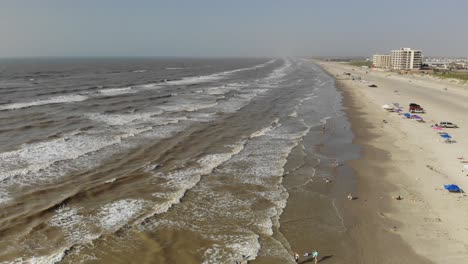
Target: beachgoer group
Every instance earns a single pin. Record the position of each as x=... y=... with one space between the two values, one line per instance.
x=314 y=255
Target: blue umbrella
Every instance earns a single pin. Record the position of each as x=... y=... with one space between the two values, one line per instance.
x=407 y=115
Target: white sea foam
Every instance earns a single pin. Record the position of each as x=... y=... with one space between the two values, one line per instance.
x=79 y=229
x=150 y=86
x=259 y=151
x=115 y=215
x=293 y=114
x=218 y=90
x=324 y=120
x=263 y=159
x=74 y=226
x=186 y=106
x=307 y=98
x=110 y=180
x=265 y=130
x=43 y=161
x=52 y=100
x=182 y=180
x=51 y=259
x=121 y=119
x=213 y=77
x=201 y=117
x=117 y=91
x=246 y=95
x=279 y=72
x=36 y=156
x=196 y=79
x=5 y=197
x=238 y=248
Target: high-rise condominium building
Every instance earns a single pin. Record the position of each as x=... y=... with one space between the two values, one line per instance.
x=381 y=61
x=406 y=59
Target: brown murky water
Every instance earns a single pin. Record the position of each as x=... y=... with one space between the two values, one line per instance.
x=194 y=168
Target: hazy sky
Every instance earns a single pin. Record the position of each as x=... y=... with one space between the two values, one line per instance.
x=231 y=27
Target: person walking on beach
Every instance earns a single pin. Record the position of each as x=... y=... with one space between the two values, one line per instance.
x=315 y=256
x=296 y=257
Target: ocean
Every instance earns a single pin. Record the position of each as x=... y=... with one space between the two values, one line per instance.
x=166 y=160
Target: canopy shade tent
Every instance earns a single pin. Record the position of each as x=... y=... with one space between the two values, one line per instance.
x=452 y=188
x=388 y=108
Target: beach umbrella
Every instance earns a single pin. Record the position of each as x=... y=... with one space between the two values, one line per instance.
x=399 y=110
x=407 y=115
x=438 y=128
x=397 y=105
x=416 y=117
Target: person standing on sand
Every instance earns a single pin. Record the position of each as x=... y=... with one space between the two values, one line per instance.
x=296 y=257
x=315 y=256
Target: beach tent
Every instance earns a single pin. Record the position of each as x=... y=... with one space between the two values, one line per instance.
x=417 y=118
x=407 y=115
x=452 y=188
x=388 y=108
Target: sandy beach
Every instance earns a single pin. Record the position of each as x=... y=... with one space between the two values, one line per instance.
x=403 y=157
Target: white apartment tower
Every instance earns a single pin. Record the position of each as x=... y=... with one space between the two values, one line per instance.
x=406 y=59
x=381 y=61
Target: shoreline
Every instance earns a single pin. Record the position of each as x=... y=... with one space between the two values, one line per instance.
x=320 y=217
x=404 y=157
x=374 y=234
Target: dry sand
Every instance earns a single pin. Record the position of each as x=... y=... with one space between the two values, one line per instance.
x=407 y=158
